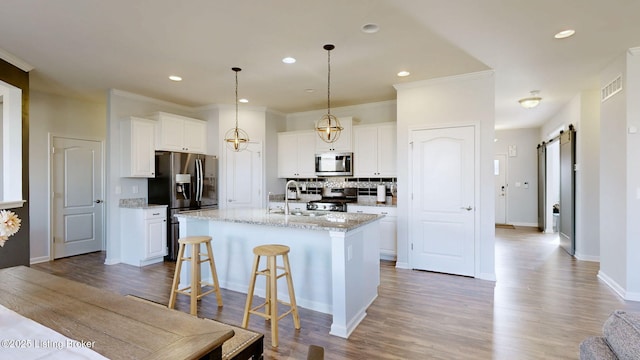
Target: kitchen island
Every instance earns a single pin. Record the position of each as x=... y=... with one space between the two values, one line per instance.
x=334 y=256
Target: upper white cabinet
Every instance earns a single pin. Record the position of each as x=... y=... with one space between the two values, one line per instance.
x=344 y=142
x=137 y=147
x=296 y=154
x=180 y=133
x=374 y=150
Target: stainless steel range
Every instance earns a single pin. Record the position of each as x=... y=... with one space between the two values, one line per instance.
x=335 y=199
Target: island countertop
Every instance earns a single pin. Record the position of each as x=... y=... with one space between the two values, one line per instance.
x=311 y=220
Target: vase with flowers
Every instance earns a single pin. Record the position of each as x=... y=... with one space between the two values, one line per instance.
x=9 y=225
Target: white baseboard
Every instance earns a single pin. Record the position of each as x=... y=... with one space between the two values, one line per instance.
x=612 y=284
x=38 y=260
x=402 y=265
x=524 y=224
x=587 y=257
x=111 y=261
x=487 y=276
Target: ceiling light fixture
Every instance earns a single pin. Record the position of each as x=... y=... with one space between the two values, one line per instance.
x=370 y=28
x=404 y=73
x=532 y=101
x=175 y=78
x=236 y=138
x=289 y=60
x=328 y=127
x=564 y=34
x=243 y=100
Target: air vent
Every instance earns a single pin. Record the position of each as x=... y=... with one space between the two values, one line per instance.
x=611 y=88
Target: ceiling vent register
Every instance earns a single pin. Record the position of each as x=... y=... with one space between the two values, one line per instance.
x=611 y=88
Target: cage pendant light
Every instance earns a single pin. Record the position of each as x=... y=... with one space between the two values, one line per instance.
x=236 y=138
x=328 y=127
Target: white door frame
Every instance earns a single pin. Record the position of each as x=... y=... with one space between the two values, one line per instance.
x=476 y=217
x=51 y=136
x=506 y=185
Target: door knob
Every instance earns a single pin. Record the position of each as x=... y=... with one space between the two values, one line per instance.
x=98 y=201
x=468 y=208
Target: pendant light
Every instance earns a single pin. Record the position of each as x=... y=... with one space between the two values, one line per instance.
x=328 y=127
x=236 y=138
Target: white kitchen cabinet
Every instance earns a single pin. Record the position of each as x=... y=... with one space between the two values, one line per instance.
x=180 y=133
x=375 y=150
x=137 y=147
x=296 y=154
x=344 y=142
x=143 y=232
x=388 y=227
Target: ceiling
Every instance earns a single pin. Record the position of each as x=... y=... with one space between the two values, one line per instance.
x=84 y=47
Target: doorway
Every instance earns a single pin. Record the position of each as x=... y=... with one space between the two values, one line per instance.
x=77 y=206
x=500 y=172
x=243 y=178
x=442 y=220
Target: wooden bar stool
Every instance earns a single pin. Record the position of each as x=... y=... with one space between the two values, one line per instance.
x=194 y=290
x=271 y=296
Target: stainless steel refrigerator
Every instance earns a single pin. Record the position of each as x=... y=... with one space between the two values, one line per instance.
x=183 y=182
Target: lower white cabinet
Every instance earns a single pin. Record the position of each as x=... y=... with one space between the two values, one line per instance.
x=388 y=227
x=143 y=233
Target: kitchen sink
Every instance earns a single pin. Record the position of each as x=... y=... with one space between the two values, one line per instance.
x=307 y=213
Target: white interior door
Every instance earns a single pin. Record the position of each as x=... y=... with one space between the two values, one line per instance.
x=77 y=208
x=442 y=219
x=500 y=172
x=244 y=177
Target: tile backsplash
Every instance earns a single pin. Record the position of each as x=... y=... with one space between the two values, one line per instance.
x=365 y=186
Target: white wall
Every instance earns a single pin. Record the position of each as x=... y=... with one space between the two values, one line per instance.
x=438 y=103
x=522 y=201
x=620 y=179
x=275 y=123
x=633 y=175
x=383 y=111
x=57 y=116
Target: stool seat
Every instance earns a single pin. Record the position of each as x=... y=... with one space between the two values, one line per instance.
x=271 y=252
x=194 y=290
x=194 y=240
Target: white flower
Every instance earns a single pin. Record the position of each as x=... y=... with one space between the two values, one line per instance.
x=9 y=225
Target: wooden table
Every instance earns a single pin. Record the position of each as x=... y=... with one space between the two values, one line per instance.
x=120 y=327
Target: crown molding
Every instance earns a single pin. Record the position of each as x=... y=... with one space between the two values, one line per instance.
x=446 y=79
x=634 y=51
x=133 y=96
x=15 y=61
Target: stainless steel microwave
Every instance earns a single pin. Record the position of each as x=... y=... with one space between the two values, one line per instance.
x=334 y=164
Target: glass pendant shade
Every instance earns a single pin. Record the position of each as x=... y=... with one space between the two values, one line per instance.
x=236 y=138
x=329 y=128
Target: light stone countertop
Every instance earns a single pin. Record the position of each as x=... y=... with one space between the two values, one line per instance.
x=141 y=206
x=312 y=220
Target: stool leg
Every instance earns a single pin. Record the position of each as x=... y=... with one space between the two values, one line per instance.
x=273 y=280
x=176 y=278
x=292 y=295
x=252 y=283
x=214 y=274
x=195 y=277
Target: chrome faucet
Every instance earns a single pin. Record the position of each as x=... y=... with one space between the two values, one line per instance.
x=286 y=195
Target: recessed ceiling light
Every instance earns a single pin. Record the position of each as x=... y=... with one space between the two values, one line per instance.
x=404 y=73
x=175 y=78
x=309 y=90
x=370 y=28
x=289 y=60
x=564 y=34
x=243 y=100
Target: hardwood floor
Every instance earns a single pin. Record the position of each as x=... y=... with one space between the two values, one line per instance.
x=542 y=306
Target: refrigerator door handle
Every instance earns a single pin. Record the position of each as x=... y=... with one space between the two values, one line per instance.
x=199 y=180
